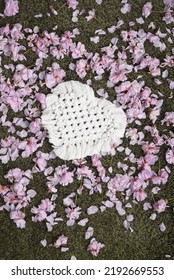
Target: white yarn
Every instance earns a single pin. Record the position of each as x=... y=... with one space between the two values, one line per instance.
x=78 y=123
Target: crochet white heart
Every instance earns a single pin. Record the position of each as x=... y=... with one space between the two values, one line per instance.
x=78 y=123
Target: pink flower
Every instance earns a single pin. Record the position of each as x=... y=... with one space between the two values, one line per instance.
x=3 y=190
x=15 y=102
x=65 y=177
x=61 y=241
x=29 y=147
x=91 y=15
x=50 y=80
x=73 y=213
x=146 y=173
x=72 y=4
x=81 y=68
x=160 y=206
x=42 y=99
x=35 y=126
x=11 y=8
x=161 y=178
x=83 y=171
x=77 y=50
x=41 y=163
x=150 y=159
x=47 y=205
x=96 y=65
x=56 y=76
x=170 y=156
x=147 y=206
x=3 y=43
x=169 y=3
x=150 y=148
x=139 y=194
x=18 y=218
x=94 y=247
x=119 y=183
x=169 y=118
x=40 y=215
x=14 y=175
x=147 y=9
x=117 y=76
x=10 y=198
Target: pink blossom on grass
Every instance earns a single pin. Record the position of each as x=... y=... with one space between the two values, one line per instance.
x=11 y=8
x=52 y=79
x=35 y=126
x=78 y=50
x=3 y=190
x=146 y=173
x=91 y=15
x=29 y=147
x=72 y=214
x=61 y=241
x=46 y=206
x=147 y=9
x=40 y=215
x=170 y=156
x=65 y=177
x=18 y=217
x=41 y=164
x=119 y=183
x=139 y=194
x=72 y=4
x=147 y=206
x=14 y=102
x=83 y=171
x=161 y=178
x=14 y=175
x=169 y=3
x=160 y=205
x=42 y=99
x=81 y=68
x=95 y=247
x=55 y=75
x=169 y=118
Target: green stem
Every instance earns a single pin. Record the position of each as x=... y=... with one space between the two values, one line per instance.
x=61 y=7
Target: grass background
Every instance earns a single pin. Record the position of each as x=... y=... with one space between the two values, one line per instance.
x=146 y=242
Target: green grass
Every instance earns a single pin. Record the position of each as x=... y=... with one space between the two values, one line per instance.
x=146 y=241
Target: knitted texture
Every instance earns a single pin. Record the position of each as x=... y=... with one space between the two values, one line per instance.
x=78 y=123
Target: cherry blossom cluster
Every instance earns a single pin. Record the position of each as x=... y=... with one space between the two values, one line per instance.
x=16 y=196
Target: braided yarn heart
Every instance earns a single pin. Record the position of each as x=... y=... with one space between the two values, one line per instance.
x=79 y=124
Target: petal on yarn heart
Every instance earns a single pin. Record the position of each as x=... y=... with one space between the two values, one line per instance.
x=79 y=124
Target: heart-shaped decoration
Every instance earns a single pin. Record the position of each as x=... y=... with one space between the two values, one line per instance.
x=78 y=123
